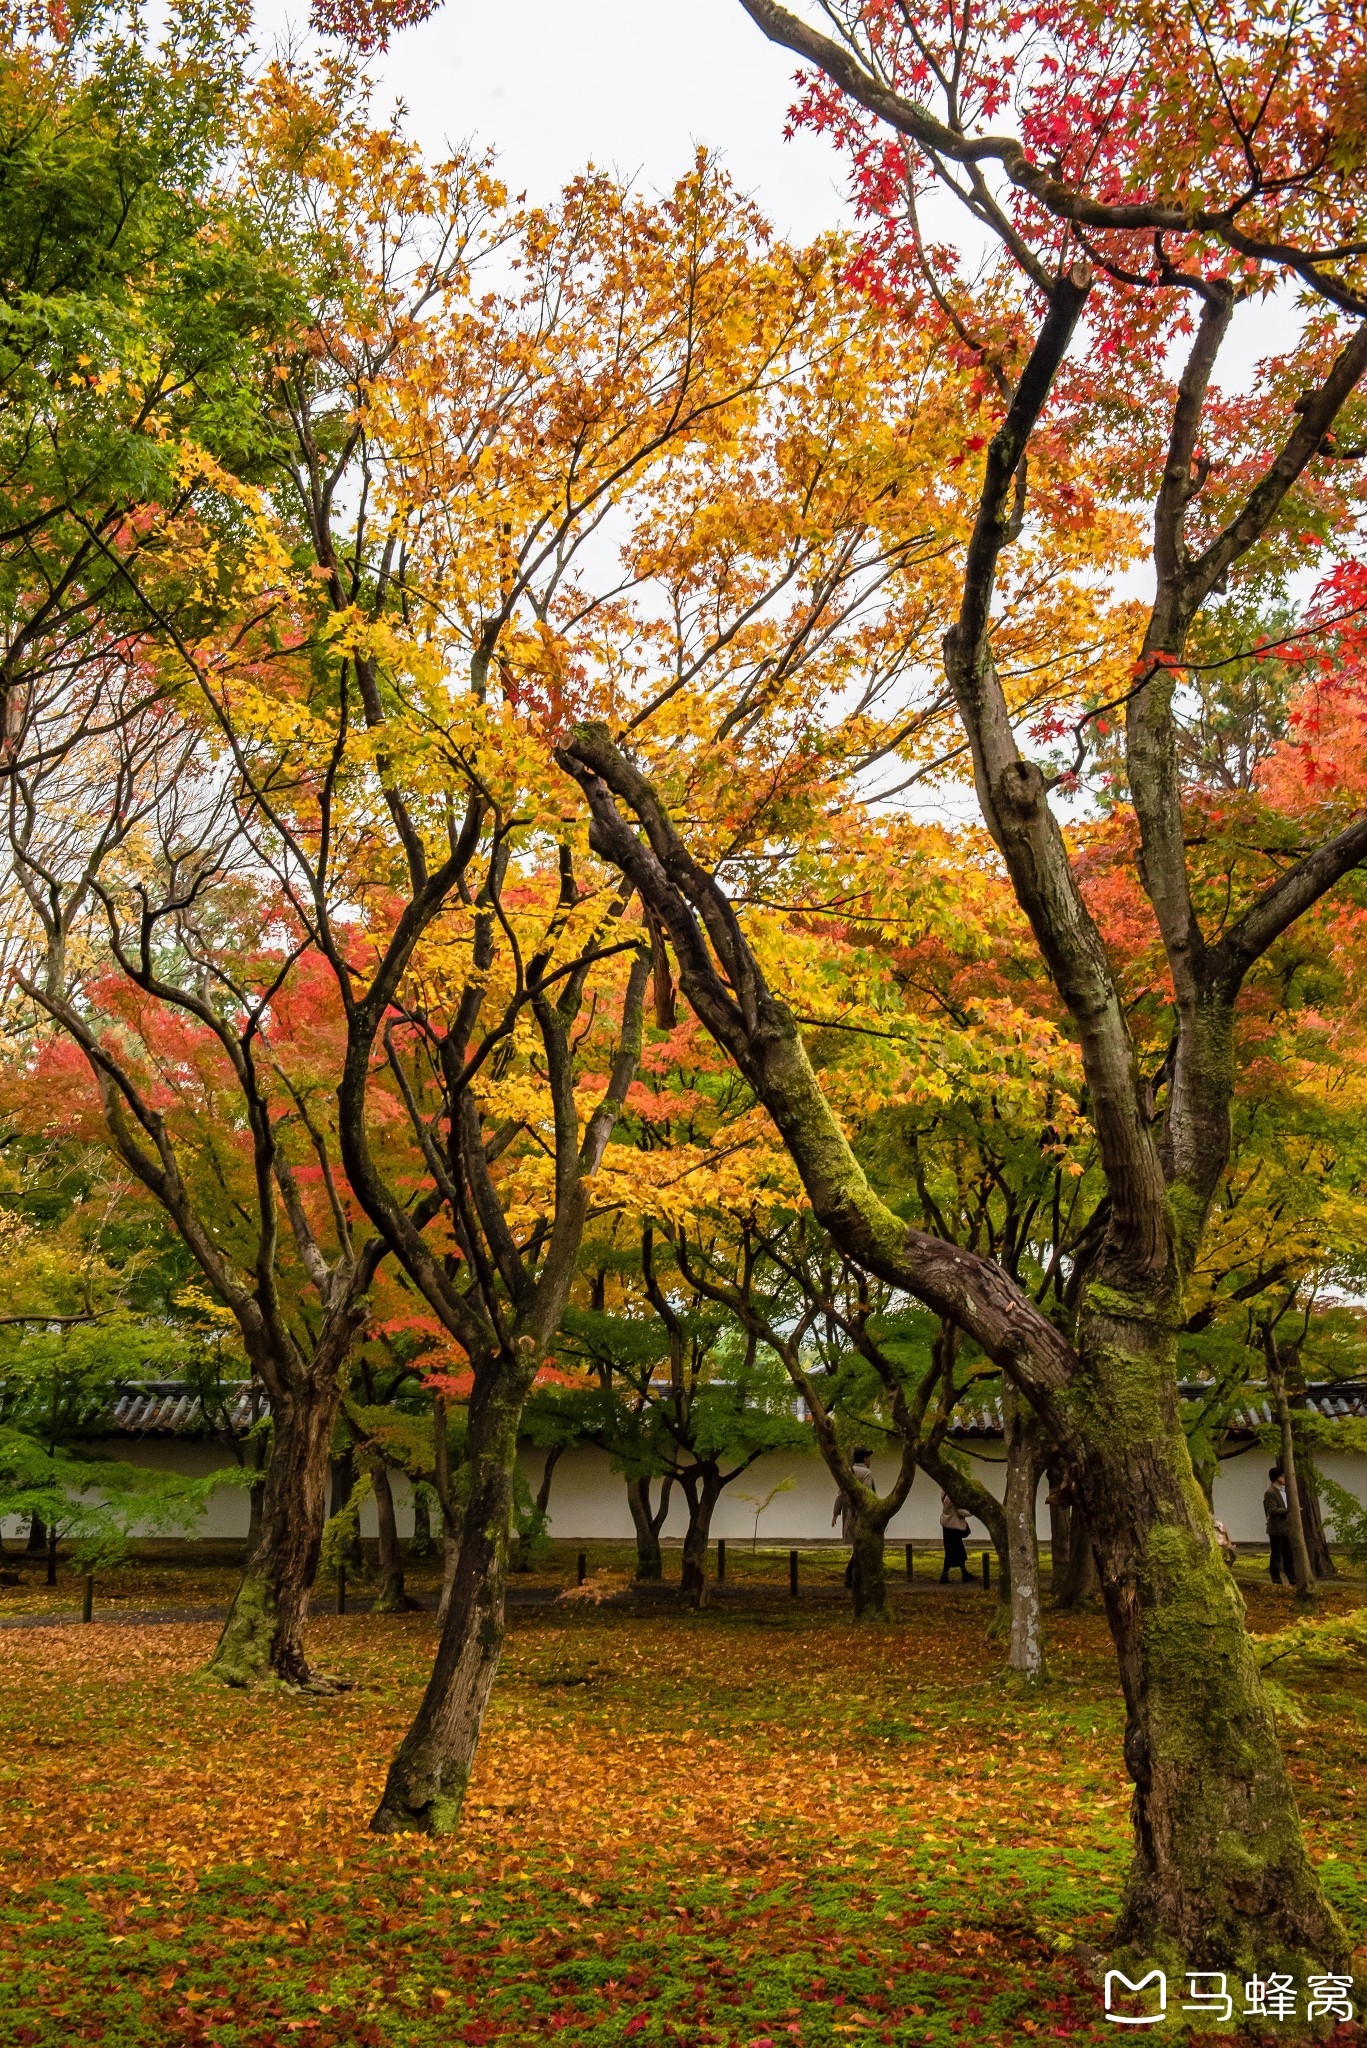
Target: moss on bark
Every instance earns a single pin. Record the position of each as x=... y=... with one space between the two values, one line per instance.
x=1220 y=1871
x=244 y=1652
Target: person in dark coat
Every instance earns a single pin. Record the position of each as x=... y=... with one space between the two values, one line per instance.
x=953 y=1528
x=1277 y=1511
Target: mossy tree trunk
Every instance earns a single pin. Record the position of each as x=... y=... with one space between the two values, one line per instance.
x=1220 y=1867
x=427 y=1781
x=869 y=1579
x=263 y=1636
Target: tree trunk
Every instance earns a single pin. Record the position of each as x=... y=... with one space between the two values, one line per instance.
x=450 y=1564
x=391 y=1597
x=522 y=1559
x=427 y=1780
x=1080 y=1586
x=868 y=1579
x=1295 y=1523
x=452 y=1519
x=421 y=1544
x=263 y=1636
x=260 y=1455
x=343 y=1486
x=1312 y=1520
x=648 y=1522
x=702 y=1485
x=1026 y=1652
x=37 y=1536
x=1060 y=1528
x=1220 y=1869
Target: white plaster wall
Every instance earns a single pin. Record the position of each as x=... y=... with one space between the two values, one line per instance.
x=228 y=1508
x=588 y=1499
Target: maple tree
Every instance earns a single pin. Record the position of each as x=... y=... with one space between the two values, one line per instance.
x=422 y=605
x=192 y=1037
x=135 y=307
x=1167 y=169
x=689 y=1394
x=803 y=470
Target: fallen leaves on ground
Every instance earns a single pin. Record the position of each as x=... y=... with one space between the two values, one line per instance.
x=741 y=1826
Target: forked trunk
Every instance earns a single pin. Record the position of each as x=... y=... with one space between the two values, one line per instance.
x=702 y=1484
x=1026 y=1652
x=648 y=1522
x=390 y=1596
x=263 y=1636
x=427 y=1780
x=1220 y=1870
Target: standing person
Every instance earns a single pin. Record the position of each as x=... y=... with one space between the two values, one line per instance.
x=1277 y=1510
x=844 y=1513
x=953 y=1528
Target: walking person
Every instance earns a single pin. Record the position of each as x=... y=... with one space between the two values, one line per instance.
x=844 y=1513
x=1277 y=1511
x=953 y=1528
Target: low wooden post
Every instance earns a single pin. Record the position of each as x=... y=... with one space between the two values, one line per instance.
x=341 y=1589
x=910 y=1569
x=721 y=1560
x=792 y=1573
x=87 y=1596
x=581 y=1566
x=987 y=1570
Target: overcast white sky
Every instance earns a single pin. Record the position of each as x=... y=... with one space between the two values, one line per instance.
x=633 y=85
